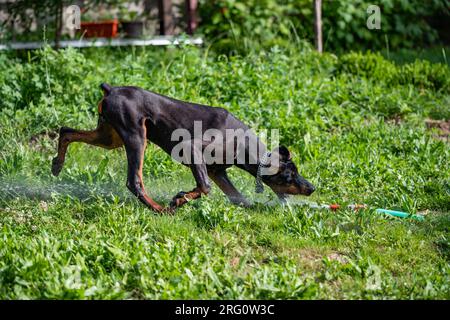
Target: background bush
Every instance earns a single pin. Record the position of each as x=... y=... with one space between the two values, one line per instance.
x=420 y=73
x=241 y=25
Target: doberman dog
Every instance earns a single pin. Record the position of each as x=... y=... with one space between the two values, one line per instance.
x=129 y=116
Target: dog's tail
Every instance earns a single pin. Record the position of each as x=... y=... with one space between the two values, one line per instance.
x=106 y=88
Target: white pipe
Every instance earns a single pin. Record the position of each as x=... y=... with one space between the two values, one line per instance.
x=104 y=42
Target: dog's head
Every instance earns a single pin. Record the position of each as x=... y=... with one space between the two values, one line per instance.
x=282 y=176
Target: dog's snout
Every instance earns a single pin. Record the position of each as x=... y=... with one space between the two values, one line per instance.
x=306 y=187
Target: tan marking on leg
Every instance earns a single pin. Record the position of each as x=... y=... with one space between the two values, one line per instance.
x=153 y=203
x=100 y=106
x=191 y=195
x=104 y=136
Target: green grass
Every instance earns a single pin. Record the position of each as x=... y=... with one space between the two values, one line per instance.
x=358 y=137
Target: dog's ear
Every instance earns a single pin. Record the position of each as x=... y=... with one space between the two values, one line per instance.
x=278 y=156
x=283 y=152
x=106 y=88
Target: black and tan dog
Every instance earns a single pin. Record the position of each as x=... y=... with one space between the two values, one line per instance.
x=129 y=116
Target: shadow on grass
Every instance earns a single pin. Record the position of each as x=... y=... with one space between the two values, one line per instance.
x=437 y=226
x=441 y=223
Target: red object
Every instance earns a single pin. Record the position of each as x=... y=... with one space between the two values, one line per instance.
x=334 y=207
x=102 y=29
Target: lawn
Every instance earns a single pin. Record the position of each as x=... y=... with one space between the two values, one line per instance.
x=356 y=125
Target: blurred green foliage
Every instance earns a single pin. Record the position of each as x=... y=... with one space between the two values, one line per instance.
x=421 y=73
x=242 y=25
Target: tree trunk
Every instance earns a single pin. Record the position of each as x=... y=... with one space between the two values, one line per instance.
x=318 y=24
x=166 y=23
x=191 y=16
x=58 y=24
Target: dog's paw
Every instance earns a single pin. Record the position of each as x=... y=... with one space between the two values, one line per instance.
x=169 y=211
x=178 y=200
x=56 y=167
x=245 y=204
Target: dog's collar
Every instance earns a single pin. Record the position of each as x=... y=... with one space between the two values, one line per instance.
x=259 y=188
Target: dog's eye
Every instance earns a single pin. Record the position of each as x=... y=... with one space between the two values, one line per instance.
x=287 y=177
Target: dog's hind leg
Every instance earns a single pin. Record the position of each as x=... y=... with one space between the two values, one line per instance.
x=223 y=182
x=104 y=136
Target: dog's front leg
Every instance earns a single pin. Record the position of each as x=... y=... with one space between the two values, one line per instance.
x=203 y=187
x=201 y=178
x=223 y=182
